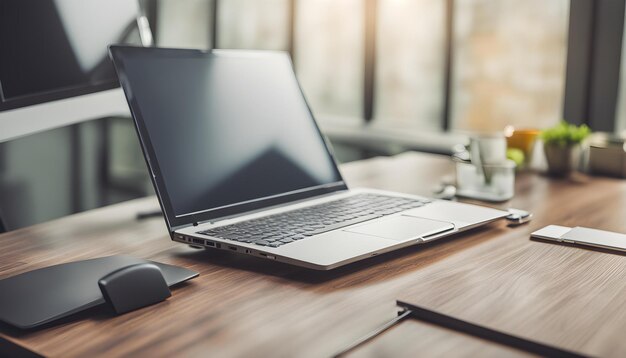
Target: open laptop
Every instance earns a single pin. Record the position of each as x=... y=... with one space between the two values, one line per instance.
x=238 y=163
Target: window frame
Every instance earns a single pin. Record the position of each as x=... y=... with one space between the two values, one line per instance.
x=592 y=79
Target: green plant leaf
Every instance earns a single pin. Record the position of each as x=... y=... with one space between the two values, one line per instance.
x=565 y=134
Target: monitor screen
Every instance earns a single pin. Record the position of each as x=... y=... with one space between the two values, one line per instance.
x=225 y=128
x=54 y=49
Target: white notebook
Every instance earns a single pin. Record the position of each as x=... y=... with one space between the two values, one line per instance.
x=582 y=236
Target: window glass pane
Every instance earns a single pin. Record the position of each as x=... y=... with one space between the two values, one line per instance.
x=183 y=23
x=410 y=63
x=509 y=63
x=329 y=55
x=253 y=24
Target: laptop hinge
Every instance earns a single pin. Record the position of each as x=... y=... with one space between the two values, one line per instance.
x=176 y=228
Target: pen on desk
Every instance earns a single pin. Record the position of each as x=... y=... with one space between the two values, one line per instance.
x=486 y=333
x=371 y=335
x=459 y=325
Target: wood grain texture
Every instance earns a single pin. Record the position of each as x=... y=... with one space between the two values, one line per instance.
x=244 y=306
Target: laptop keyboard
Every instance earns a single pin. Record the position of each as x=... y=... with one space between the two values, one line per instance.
x=280 y=229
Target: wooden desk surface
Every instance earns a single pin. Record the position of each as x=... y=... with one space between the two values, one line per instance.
x=243 y=306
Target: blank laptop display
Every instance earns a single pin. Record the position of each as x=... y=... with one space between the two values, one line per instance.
x=228 y=130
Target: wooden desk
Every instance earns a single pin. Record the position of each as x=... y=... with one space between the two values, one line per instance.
x=243 y=306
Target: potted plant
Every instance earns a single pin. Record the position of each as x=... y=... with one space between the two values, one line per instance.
x=562 y=146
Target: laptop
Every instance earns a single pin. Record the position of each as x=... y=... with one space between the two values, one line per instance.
x=239 y=164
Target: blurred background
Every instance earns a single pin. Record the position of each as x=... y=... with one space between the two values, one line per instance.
x=381 y=76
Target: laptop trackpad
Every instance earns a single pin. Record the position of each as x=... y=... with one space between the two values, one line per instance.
x=402 y=228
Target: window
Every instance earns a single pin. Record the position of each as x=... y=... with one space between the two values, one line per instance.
x=410 y=59
x=329 y=55
x=253 y=24
x=509 y=63
x=461 y=65
x=183 y=23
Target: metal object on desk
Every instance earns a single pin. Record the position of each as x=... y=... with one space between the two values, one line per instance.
x=518 y=217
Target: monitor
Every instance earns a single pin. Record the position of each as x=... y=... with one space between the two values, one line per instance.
x=54 y=66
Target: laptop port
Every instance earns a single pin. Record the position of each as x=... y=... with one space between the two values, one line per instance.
x=210 y=243
x=271 y=257
x=232 y=248
x=197 y=241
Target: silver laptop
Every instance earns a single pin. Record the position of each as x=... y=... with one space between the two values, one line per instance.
x=238 y=163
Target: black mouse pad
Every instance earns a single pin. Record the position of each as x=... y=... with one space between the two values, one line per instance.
x=41 y=296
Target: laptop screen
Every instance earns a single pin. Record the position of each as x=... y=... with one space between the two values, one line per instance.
x=225 y=129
